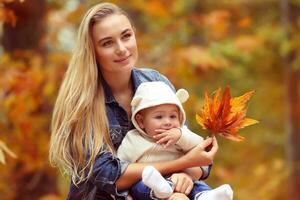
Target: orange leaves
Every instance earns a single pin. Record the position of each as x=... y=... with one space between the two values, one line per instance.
x=154 y=8
x=8 y=16
x=225 y=116
x=218 y=23
x=28 y=90
x=247 y=43
x=202 y=58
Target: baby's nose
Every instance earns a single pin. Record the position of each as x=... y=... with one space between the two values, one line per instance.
x=167 y=122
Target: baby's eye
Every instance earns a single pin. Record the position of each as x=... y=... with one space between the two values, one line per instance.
x=158 y=117
x=173 y=116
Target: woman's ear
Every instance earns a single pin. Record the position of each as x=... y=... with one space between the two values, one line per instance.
x=139 y=120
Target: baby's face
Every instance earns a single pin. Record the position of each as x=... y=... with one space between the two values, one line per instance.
x=163 y=117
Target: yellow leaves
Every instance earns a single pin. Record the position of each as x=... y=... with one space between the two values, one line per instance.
x=245 y=22
x=50 y=197
x=27 y=94
x=218 y=23
x=154 y=8
x=225 y=116
x=5 y=149
x=201 y=58
x=246 y=43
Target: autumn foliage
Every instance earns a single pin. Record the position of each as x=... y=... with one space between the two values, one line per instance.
x=197 y=45
x=225 y=116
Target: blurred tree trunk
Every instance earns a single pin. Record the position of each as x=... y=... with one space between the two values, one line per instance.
x=291 y=78
x=29 y=29
x=27 y=35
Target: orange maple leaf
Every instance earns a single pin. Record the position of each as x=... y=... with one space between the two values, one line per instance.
x=226 y=116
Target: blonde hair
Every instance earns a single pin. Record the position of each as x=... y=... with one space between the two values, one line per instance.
x=79 y=122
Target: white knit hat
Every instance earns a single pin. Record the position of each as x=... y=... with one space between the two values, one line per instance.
x=150 y=94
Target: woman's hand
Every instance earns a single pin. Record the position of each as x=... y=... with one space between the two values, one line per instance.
x=194 y=172
x=198 y=156
x=183 y=183
x=129 y=197
x=178 y=196
x=167 y=137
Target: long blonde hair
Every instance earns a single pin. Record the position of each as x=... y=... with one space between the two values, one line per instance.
x=79 y=123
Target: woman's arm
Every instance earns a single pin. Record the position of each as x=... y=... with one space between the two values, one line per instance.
x=195 y=172
x=196 y=157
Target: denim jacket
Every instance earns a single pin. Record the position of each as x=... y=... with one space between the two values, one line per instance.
x=107 y=168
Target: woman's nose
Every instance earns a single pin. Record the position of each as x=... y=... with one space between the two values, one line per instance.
x=121 y=49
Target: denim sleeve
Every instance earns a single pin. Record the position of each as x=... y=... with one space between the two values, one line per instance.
x=102 y=184
x=205 y=171
x=107 y=170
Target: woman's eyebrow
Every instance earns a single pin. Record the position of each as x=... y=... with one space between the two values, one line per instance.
x=108 y=38
x=103 y=39
x=126 y=30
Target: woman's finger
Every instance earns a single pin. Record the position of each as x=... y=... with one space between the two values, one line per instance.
x=214 y=148
x=129 y=197
x=174 y=180
x=183 y=186
x=178 y=196
x=207 y=142
x=189 y=189
x=178 y=185
x=186 y=184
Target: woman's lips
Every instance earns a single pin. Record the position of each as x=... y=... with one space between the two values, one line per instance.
x=122 y=59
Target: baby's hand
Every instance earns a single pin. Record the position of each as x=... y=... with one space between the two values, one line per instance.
x=167 y=137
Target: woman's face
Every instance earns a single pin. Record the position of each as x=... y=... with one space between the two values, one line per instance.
x=115 y=45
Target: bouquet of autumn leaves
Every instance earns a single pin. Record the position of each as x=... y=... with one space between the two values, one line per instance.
x=225 y=116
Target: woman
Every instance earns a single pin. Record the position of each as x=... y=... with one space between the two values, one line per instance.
x=92 y=111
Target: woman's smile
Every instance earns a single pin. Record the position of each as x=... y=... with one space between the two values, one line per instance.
x=121 y=60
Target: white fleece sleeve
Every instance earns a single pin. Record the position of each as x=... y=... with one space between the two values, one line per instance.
x=188 y=139
x=125 y=151
x=133 y=146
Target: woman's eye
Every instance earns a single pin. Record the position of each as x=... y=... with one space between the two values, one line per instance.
x=107 y=43
x=127 y=35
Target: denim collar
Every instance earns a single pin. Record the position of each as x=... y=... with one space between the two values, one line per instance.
x=109 y=97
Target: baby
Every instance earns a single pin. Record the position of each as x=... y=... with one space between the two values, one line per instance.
x=155 y=109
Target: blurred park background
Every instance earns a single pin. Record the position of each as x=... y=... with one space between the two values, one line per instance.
x=198 y=45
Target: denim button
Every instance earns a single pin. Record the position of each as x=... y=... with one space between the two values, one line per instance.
x=116 y=135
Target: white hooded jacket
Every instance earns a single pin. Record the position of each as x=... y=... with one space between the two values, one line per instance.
x=137 y=146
